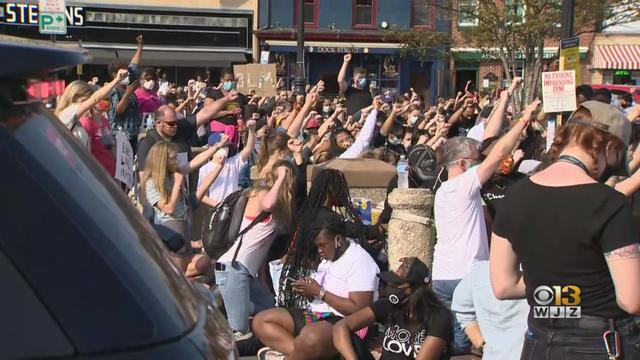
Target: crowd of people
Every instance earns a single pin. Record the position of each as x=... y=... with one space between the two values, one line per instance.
x=306 y=278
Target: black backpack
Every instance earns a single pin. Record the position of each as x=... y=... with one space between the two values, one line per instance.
x=222 y=224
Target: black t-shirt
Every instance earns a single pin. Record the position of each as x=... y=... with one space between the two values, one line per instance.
x=186 y=129
x=240 y=103
x=494 y=191
x=560 y=235
x=356 y=99
x=402 y=339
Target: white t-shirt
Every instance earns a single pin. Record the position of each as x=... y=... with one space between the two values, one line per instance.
x=227 y=182
x=354 y=271
x=70 y=119
x=462 y=233
x=255 y=244
x=477 y=132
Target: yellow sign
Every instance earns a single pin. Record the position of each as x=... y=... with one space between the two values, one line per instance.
x=570 y=56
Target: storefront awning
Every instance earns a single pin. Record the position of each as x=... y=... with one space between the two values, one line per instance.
x=340 y=47
x=169 y=58
x=616 y=57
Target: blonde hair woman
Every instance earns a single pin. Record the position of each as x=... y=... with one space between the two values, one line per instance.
x=78 y=99
x=163 y=188
x=269 y=206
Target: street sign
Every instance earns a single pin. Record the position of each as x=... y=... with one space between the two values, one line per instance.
x=53 y=23
x=52 y=6
x=570 y=56
x=52 y=19
x=558 y=91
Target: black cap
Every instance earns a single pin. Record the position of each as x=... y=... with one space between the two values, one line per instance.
x=408 y=270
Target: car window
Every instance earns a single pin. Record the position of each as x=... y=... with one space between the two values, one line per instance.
x=25 y=319
x=73 y=234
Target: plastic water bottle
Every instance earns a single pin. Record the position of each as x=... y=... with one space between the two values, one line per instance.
x=403 y=173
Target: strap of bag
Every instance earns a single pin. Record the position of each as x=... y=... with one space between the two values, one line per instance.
x=260 y=218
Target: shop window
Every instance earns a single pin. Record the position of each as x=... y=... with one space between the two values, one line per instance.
x=420 y=13
x=467 y=13
x=623 y=77
x=309 y=14
x=364 y=13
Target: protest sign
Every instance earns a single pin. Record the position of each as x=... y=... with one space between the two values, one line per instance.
x=124 y=160
x=260 y=78
x=559 y=91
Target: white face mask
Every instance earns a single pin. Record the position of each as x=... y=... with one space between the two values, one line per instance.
x=413 y=120
x=149 y=84
x=125 y=81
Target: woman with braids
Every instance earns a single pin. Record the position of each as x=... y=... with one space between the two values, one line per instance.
x=329 y=191
x=410 y=308
x=346 y=282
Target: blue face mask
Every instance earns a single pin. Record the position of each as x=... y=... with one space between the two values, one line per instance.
x=362 y=83
x=228 y=85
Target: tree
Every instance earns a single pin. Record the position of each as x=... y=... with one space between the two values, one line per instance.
x=516 y=30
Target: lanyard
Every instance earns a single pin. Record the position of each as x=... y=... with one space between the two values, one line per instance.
x=572 y=160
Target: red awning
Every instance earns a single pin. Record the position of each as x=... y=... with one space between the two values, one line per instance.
x=625 y=57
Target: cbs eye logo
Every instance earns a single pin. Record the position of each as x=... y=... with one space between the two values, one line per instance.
x=557 y=301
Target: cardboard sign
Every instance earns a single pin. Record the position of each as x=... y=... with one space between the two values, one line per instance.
x=260 y=78
x=124 y=160
x=559 y=91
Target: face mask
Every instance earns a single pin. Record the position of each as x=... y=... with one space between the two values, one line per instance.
x=228 y=85
x=413 y=120
x=395 y=295
x=326 y=109
x=362 y=83
x=148 y=85
x=394 y=141
x=125 y=81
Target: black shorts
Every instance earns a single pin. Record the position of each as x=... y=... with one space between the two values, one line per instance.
x=304 y=317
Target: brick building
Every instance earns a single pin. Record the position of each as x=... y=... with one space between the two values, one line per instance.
x=467 y=63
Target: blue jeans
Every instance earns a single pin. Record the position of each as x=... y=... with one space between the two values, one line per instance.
x=243 y=297
x=444 y=291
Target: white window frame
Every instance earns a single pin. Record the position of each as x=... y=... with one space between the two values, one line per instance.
x=468 y=4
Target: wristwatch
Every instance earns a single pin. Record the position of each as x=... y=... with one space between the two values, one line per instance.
x=481 y=347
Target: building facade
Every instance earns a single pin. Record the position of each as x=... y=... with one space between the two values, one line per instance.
x=470 y=64
x=336 y=27
x=615 y=58
x=183 y=37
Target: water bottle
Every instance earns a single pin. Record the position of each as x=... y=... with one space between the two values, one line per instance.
x=403 y=173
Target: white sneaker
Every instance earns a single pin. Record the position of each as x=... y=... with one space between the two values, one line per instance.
x=269 y=354
x=238 y=336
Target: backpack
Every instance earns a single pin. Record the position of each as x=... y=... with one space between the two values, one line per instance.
x=222 y=224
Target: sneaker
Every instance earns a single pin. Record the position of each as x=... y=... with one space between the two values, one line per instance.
x=269 y=354
x=238 y=336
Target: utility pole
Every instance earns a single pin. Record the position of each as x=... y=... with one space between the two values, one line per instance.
x=300 y=82
x=568 y=8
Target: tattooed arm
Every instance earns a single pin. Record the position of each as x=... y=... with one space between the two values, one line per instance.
x=624 y=266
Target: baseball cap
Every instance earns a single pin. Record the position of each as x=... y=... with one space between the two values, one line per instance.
x=606 y=118
x=423 y=161
x=408 y=270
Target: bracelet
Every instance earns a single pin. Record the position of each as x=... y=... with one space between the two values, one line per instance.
x=322 y=293
x=481 y=347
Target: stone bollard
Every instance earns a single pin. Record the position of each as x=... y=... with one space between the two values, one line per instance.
x=411 y=229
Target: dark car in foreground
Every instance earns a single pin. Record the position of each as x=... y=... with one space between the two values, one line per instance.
x=82 y=274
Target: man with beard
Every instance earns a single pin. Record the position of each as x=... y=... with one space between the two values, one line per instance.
x=168 y=127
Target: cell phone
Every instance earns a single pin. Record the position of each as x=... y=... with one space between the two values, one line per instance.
x=133 y=74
